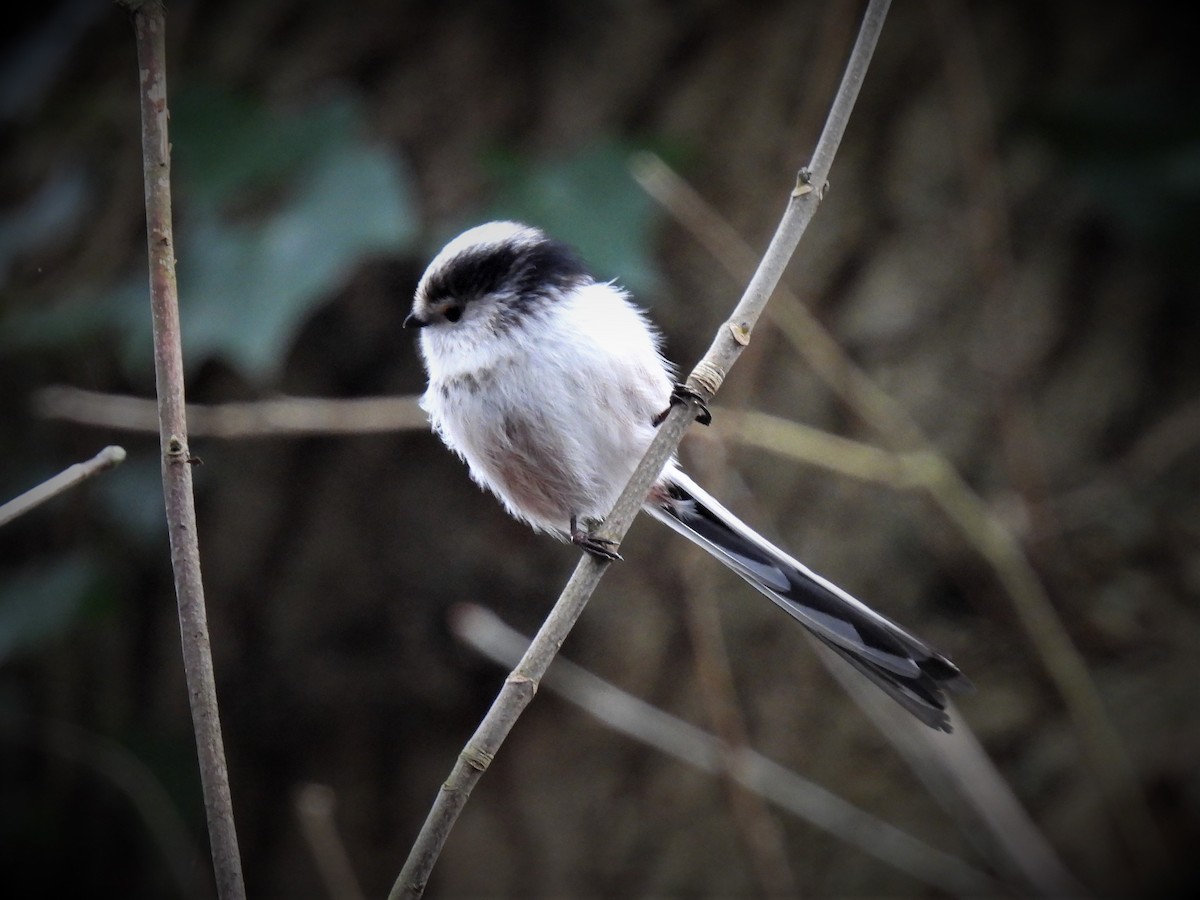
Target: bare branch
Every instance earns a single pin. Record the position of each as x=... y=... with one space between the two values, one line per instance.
x=959 y=775
x=918 y=462
x=705 y=379
x=63 y=481
x=149 y=22
x=280 y=416
x=484 y=632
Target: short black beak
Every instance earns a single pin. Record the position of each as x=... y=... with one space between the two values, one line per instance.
x=412 y=320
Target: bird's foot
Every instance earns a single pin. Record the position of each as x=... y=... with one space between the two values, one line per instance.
x=601 y=548
x=681 y=394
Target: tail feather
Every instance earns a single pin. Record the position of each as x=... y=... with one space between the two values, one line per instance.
x=906 y=668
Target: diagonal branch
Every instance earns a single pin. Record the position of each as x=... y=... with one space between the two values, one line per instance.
x=521 y=684
x=63 y=481
x=915 y=461
x=484 y=632
x=149 y=23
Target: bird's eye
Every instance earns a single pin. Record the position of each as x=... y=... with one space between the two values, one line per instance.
x=453 y=313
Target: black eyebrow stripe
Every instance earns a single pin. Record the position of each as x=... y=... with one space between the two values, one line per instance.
x=528 y=270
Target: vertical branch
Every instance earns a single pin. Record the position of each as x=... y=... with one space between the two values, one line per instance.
x=149 y=26
x=705 y=379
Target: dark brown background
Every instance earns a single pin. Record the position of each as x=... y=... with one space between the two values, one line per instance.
x=1008 y=248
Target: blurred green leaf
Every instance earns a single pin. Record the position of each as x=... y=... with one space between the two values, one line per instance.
x=78 y=318
x=225 y=145
x=248 y=282
x=50 y=212
x=246 y=290
x=41 y=604
x=589 y=200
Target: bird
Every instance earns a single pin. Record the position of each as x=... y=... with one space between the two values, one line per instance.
x=550 y=384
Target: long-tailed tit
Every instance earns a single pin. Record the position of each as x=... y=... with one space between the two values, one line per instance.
x=550 y=385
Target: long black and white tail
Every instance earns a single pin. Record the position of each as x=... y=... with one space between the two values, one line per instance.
x=910 y=671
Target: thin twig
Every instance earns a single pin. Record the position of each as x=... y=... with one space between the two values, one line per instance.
x=314 y=805
x=919 y=460
x=277 y=417
x=487 y=634
x=63 y=481
x=705 y=379
x=149 y=23
x=811 y=339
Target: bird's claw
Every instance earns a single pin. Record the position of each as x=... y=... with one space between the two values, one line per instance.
x=680 y=394
x=601 y=548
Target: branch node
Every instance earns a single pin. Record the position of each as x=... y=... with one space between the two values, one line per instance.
x=804 y=183
x=477 y=758
x=706 y=378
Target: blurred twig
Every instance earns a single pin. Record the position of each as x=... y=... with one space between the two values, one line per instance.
x=704 y=381
x=280 y=416
x=959 y=775
x=314 y=808
x=920 y=462
x=149 y=24
x=64 y=480
x=955 y=769
x=759 y=831
x=1159 y=446
x=988 y=226
x=487 y=634
x=1165 y=441
x=129 y=775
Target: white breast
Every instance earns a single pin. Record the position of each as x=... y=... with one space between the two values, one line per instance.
x=553 y=415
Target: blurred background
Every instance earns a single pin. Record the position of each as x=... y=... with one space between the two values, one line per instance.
x=1008 y=250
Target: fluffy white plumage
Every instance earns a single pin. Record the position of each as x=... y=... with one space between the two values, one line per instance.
x=552 y=416
x=548 y=384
